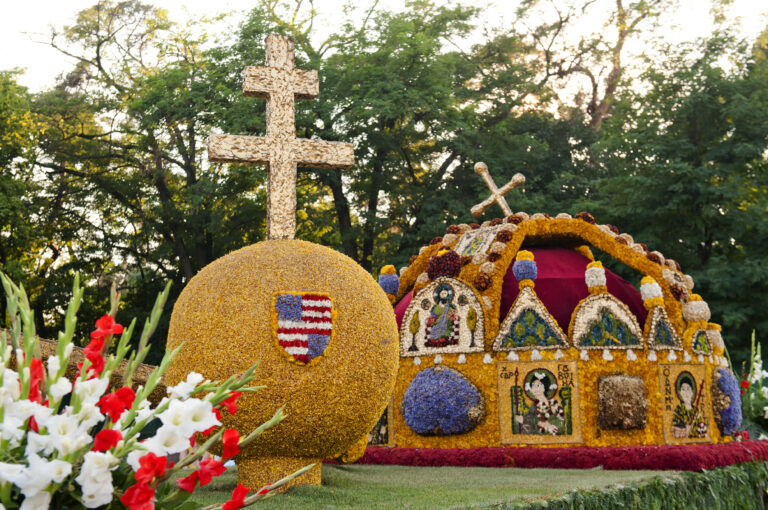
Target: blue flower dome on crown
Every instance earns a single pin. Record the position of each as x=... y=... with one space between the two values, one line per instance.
x=524 y=267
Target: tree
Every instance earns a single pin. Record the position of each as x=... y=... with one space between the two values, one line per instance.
x=684 y=169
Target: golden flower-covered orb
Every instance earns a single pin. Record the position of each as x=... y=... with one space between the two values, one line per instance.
x=324 y=334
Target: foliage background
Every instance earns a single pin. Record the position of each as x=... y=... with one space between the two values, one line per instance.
x=105 y=173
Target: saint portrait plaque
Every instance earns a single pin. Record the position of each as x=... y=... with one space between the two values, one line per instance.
x=539 y=402
x=685 y=409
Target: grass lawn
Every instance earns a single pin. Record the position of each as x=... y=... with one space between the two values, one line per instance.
x=367 y=486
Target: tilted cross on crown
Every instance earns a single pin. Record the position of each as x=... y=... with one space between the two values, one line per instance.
x=280 y=83
x=497 y=195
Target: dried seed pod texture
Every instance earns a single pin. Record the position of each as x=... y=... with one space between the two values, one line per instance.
x=224 y=317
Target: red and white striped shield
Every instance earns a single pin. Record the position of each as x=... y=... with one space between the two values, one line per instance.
x=304 y=324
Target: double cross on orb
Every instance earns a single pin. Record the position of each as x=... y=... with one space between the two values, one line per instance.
x=497 y=195
x=280 y=83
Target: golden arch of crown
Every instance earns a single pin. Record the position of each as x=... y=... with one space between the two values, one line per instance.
x=478 y=256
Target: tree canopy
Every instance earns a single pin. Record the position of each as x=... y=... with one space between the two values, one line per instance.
x=105 y=173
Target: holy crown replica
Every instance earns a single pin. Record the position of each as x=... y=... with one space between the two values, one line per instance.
x=512 y=334
x=321 y=328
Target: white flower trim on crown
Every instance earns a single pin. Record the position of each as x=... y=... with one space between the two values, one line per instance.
x=650 y=290
x=589 y=311
x=656 y=317
x=694 y=311
x=595 y=277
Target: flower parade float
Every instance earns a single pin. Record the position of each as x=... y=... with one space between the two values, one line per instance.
x=518 y=347
x=319 y=325
x=75 y=436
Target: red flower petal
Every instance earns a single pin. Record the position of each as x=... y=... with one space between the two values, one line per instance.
x=238 y=498
x=127 y=395
x=106 y=439
x=231 y=402
x=36 y=374
x=151 y=466
x=208 y=469
x=230 y=440
x=112 y=405
x=139 y=497
x=188 y=482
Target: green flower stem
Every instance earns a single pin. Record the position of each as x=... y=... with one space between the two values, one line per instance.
x=276 y=418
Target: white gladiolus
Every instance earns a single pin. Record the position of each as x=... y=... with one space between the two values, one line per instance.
x=64 y=425
x=98 y=498
x=91 y=391
x=56 y=470
x=11 y=387
x=53 y=366
x=37 y=443
x=40 y=501
x=190 y=416
x=9 y=472
x=40 y=473
x=88 y=416
x=201 y=415
x=60 y=388
x=48 y=449
x=184 y=388
x=133 y=458
x=12 y=430
x=167 y=440
x=23 y=409
x=143 y=410
x=95 y=478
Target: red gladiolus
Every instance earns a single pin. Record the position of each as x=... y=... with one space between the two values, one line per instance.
x=36 y=373
x=231 y=402
x=188 y=482
x=745 y=384
x=127 y=395
x=207 y=432
x=96 y=345
x=151 y=466
x=106 y=439
x=238 y=498
x=264 y=490
x=745 y=435
x=106 y=325
x=743 y=392
x=230 y=440
x=139 y=497
x=115 y=403
x=92 y=352
x=33 y=425
x=208 y=469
